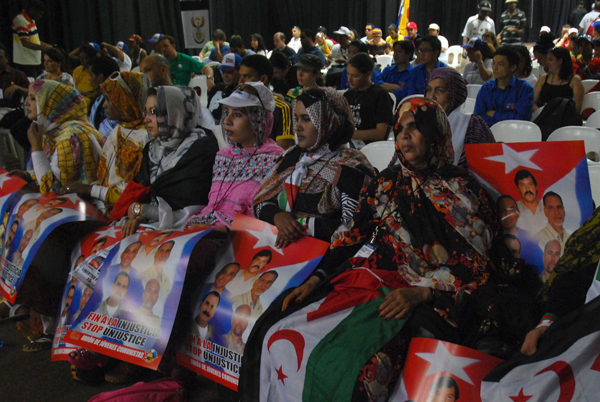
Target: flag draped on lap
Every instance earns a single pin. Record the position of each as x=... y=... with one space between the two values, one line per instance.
x=565 y=368
x=317 y=352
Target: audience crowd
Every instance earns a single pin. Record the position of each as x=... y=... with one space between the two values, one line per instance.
x=126 y=126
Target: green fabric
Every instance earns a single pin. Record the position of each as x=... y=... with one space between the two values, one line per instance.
x=335 y=362
x=182 y=68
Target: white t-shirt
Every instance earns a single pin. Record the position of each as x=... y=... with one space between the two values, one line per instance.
x=295 y=44
x=588 y=19
x=124 y=65
x=475 y=27
x=444 y=54
x=25 y=30
x=338 y=53
x=471 y=72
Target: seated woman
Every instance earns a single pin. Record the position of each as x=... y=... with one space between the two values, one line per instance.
x=490 y=38
x=257 y=43
x=54 y=67
x=524 y=71
x=176 y=164
x=241 y=167
x=122 y=153
x=308 y=72
x=65 y=147
x=355 y=47
x=325 y=175
x=371 y=104
x=448 y=88
x=424 y=229
x=479 y=68
x=560 y=82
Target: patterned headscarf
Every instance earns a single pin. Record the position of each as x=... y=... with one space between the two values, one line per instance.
x=127 y=92
x=176 y=117
x=330 y=114
x=433 y=124
x=57 y=104
x=456 y=84
x=261 y=120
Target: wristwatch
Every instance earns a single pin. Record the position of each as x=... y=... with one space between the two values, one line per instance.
x=209 y=77
x=137 y=209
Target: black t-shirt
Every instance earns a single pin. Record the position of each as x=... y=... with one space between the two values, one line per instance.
x=288 y=51
x=370 y=107
x=218 y=92
x=283 y=86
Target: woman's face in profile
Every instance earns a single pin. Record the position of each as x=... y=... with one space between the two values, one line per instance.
x=411 y=142
x=150 y=118
x=306 y=132
x=31 y=105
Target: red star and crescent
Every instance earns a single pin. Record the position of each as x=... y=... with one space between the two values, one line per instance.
x=280 y=375
x=296 y=339
x=565 y=377
x=521 y=397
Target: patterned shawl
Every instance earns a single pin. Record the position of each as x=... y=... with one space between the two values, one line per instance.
x=434 y=226
x=62 y=119
x=176 y=117
x=127 y=94
x=456 y=84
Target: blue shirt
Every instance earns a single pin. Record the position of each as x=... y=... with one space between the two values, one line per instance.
x=515 y=102
x=391 y=75
x=213 y=53
x=106 y=125
x=344 y=83
x=416 y=82
x=314 y=50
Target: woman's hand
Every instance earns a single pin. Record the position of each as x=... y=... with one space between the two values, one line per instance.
x=131 y=226
x=35 y=135
x=400 y=302
x=78 y=188
x=289 y=228
x=531 y=340
x=301 y=292
x=20 y=174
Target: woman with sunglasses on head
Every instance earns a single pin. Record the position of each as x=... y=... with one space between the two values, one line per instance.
x=175 y=172
x=241 y=167
x=121 y=157
x=324 y=175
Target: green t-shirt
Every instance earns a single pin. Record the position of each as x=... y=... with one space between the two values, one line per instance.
x=182 y=68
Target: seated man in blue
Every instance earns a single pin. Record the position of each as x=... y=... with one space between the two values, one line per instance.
x=394 y=77
x=307 y=38
x=506 y=97
x=428 y=51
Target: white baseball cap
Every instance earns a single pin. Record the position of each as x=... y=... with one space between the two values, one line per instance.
x=545 y=28
x=243 y=98
x=343 y=31
x=434 y=26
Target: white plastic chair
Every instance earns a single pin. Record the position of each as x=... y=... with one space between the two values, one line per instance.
x=213 y=64
x=409 y=97
x=384 y=60
x=218 y=132
x=269 y=54
x=197 y=58
x=136 y=69
x=588 y=84
x=516 y=131
x=455 y=56
x=594 y=120
x=469 y=106
x=473 y=90
x=379 y=153
x=591 y=100
x=200 y=81
x=590 y=136
x=393 y=101
x=205 y=60
x=594 y=170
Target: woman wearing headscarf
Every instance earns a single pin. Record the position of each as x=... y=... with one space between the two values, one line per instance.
x=122 y=153
x=315 y=186
x=65 y=147
x=241 y=167
x=448 y=88
x=176 y=164
x=419 y=244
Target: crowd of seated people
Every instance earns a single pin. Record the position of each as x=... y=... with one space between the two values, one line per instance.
x=146 y=149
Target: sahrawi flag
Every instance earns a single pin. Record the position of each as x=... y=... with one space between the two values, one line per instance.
x=565 y=368
x=316 y=353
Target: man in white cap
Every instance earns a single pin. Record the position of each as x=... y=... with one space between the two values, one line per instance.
x=339 y=52
x=513 y=23
x=434 y=29
x=589 y=17
x=480 y=23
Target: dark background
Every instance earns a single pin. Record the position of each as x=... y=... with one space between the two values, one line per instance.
x=69 y=22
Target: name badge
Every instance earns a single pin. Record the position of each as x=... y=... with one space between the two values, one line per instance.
x=366 y=250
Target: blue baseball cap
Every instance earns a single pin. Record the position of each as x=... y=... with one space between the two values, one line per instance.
x=230 y=60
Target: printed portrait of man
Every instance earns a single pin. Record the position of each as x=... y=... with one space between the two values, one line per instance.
x=156 y=270
x=208 y=307
x=552 y=252
x=85 y=296
x=555 y=213
x=245 y=278
x=145 y=314
x=112 y=305
x=145 y=255
x=64 y=316
x=252 y=297
x=532 y=216
x=444 y=389
x=239 y=323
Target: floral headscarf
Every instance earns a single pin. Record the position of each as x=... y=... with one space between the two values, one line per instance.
x=262 y=124
x=456 y=84
x=177 y=117
x=57 y=104
x=432 y=123
x=127 y=92
x=330 y=114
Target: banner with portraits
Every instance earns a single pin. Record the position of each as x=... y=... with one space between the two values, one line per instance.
x=250 y=272
x=30 y=220
x=542 y=191
x=9 y=185
x=86 y=260
x=131 y=310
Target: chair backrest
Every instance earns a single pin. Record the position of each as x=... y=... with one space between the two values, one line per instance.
x=589 y=135
x=588 y=84
x=594 y=169
x=594 y=120
x=205 y=60
x=200 y=81
x=379 y=153
x=455 y=56
x=409 y=97
x=136 y=69
x=469 y=106
x=384 y=60
x=473 y=90
x=591 y=100
x=218 y=132
x=393 y=101
x=197 y=58
x=516 y=131
x=269 y=54
x=213 y=64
